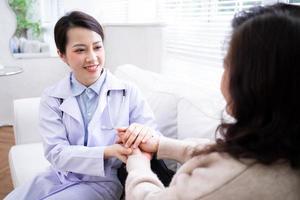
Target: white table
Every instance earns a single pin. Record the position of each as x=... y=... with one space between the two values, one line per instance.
x=10 y=70
x=7 y=71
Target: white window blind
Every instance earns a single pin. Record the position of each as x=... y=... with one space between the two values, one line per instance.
x=197 y=29
x=296 y=2
x=112 y=11
x=106 y=11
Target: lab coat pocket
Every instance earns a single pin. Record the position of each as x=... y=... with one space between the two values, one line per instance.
x=104 y=133
x=105 y=121
x=111 y=119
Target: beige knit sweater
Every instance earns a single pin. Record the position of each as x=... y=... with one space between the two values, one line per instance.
x=210 y=177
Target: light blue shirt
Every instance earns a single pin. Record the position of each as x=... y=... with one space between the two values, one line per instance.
x=87 y=98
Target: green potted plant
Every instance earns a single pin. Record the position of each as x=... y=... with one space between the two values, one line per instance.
x=21 y=8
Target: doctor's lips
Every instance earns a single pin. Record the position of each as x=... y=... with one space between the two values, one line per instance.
x=91 y=68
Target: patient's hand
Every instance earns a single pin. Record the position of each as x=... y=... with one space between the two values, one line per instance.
x=118 y=151
x=150 y=144
x=136 y=134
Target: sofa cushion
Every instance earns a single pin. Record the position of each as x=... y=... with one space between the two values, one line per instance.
x=147 y=81
x=200 y=107
x=195 y=122
x=26 y=161
x=26 y=120
x=162 y=103
x=164 y=106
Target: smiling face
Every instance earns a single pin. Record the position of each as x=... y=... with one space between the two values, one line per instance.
x=84 y=54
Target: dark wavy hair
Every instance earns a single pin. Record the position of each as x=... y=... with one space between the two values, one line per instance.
x=72 y=20
x=264 y=86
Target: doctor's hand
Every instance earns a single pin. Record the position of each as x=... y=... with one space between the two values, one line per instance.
x=150 y=146
x=135 y=135
x=118 y=151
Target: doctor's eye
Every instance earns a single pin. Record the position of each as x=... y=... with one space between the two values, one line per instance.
x=79 y=50
x=98 y=47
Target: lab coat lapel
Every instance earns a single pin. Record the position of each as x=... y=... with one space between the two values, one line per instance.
x=111 y=83
x=70 y=107
x=102 y=103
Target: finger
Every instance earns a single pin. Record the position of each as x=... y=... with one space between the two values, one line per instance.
x=128 y=151
x=139 y=139
x=124 y=151
x=123 y=158
x=148 y=135
x=147 y=138
x=118 y=140
x=135 y=134
x=121 y=136
x=131 y=139
x=121 y=133
x=130 y=131
x=121 y=129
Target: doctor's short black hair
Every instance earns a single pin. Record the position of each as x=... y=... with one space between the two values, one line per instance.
x=72 y=20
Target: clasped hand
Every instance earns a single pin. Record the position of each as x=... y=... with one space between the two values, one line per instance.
x=135 y=139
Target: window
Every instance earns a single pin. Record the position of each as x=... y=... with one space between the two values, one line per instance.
x=297 y=2
x=196 y=32
x=197 y=29
x=106 y=11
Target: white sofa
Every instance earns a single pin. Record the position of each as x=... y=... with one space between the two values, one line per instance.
x=182 y=109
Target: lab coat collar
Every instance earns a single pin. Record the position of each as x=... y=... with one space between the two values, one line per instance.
x=63 y=91
x=78 y=88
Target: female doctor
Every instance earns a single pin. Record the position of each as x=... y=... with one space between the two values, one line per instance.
x=79 y=117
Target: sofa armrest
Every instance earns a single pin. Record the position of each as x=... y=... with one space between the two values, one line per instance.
x=26 y=161
x=26 y=120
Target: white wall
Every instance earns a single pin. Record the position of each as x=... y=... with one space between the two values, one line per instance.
x=136 y=44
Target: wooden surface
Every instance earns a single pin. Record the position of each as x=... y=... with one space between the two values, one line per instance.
x=6 y=141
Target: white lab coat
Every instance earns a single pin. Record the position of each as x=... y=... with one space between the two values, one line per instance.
x=62 y=131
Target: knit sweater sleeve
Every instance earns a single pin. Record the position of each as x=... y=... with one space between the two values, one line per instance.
x=196 y=179
x=179 y=150
x=142 y=183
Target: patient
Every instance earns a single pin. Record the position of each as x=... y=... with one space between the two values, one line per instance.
x=257 y=155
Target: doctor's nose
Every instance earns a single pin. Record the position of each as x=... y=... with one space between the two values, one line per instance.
x=91 y=57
